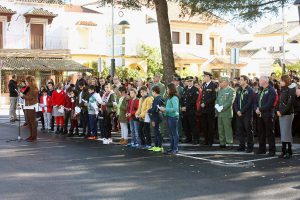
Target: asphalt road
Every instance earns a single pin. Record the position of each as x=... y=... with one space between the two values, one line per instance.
x=59 y=168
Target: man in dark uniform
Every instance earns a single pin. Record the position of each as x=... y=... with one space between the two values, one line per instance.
x=208 y=108
x=188 y=107
x=264 y=108
x=243 y=108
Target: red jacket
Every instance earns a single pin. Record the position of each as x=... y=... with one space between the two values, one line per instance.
x=48 y=104
x=198 y=104
x=133 y=106
x=68 y=104
x=58 y=99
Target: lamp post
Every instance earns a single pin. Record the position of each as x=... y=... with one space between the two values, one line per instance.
x=113 y=60
x=283 y=40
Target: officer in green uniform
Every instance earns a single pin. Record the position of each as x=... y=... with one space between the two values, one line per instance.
x=224 y=102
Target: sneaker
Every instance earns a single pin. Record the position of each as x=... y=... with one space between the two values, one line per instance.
x=105 y=141
x=92 y=138
x=152 y=148
x=158 y=149
x=148 y=147
x=109 y=140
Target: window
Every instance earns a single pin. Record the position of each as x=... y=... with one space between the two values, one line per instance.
x=84 y=37
x=199 y=39
x=1 y=35
x=37 y=36
x=187 y=38
x=176 y=37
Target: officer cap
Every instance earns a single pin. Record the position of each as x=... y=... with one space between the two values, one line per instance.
x=189 y=78
x=224 y=78
x=176 y=78
x=207 y=74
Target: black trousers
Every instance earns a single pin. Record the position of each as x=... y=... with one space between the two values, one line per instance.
x=191 y=134
x=105 y=124
x=266 y=132
x=244 y=131
x=144 y=133
x=208 y=127
x=296 y=125
x=67 y=119
x=84 y=119
x=52 y=123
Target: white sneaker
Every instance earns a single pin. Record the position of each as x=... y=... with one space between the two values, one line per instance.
x=109 y=140
x=105 y=141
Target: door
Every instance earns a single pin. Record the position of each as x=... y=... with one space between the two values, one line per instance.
x=37 y=36
x=212 y=45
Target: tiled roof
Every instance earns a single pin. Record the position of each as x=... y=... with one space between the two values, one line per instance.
x=277 y=28
x=31 y=64
x=42 y=1
x=86 y=23
x=237 y=44
x=80 y=9
x=6 y=10
x=40 y=12
x=187 y=56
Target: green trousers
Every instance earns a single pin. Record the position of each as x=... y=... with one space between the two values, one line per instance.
x=225 y=130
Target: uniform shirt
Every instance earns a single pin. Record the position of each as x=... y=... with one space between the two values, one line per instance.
x=189 y=99
x=209 y=96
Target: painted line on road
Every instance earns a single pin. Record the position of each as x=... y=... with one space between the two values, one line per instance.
x=203 y=159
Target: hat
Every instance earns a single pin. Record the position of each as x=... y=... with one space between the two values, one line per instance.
x=189 y=78
x=176 y=78
x=224 y=78
x=207 y=74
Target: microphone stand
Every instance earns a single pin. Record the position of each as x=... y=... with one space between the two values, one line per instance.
x=19 y=138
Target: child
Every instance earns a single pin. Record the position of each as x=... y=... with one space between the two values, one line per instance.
x=142 y=114
x=133 y=121
x=69 y=110
x=121 y=113
x=58 y=100
x=46 y=104
x=93 y=110
x=84 y=115
x=107 y=107
x=156 y=118
x=74 y=114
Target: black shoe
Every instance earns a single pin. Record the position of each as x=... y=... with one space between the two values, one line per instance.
x=12 y=120
x=62 y=131
x=17 y=120
x=260 y=152
x=57 y=130
x=77 y=132
x=43 y=129
x=229 y=147
x=223 y=146
x=287 y=156
x=271 y=154
x=240 y=149
x=282 y=155
x=70 y=135
x=249 y=150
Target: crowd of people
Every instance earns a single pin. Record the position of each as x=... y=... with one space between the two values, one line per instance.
x=185 y=110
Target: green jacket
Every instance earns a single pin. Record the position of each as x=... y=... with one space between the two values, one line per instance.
x=226 y=98
x=122 y=109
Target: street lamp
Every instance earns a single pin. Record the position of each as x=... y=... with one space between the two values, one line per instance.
x=283 y=39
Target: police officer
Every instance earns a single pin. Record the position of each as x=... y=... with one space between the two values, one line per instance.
x=264 y=108
x=243 y=108
x=188 y=107
x=208 y=108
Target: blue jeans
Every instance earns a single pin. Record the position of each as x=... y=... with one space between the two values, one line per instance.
x=134 y=128
x=172 y=123
x=157 y=134
x=93 y=124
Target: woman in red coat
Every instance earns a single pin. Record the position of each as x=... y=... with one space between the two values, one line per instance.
x=58 y=101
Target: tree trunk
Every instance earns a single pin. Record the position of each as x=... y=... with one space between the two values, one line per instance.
x=166 y=45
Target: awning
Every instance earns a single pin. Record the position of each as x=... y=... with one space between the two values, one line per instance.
x=6 y=12
x=39 y=13
x=31 y=64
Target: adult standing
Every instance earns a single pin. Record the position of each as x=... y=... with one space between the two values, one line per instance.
x=188 y=107
x=31 y=106
x=285 y=112
x=80 y=80
x=224 y=102
x=50 y=91
x=243 y=108
x=13 y=97
x=264 y=108
x=157 y=82
x=177 y=81
x=207 y=108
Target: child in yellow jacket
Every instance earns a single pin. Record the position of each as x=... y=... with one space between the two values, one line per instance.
x=145 y=104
